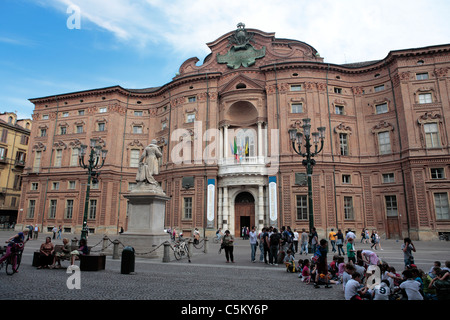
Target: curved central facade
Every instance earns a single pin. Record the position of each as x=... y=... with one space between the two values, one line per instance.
x=227 y=158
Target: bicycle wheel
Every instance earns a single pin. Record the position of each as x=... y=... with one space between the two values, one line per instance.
x=19 y=259
x=177 y=253
x=11 y=264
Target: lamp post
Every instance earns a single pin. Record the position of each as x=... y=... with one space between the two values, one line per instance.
x=297 y=140
x=92 y=165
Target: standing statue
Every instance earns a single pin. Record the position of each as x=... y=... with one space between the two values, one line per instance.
x=149 y=164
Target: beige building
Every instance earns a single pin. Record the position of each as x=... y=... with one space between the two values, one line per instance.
x=14 y=138
x=227 y=158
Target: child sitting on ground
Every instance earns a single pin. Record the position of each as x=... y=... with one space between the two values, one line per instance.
x=306 y=272
x=289 y=261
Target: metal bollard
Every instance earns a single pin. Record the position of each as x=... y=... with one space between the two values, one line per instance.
x=205 y=245
x=105 y=243
x=166 y=252
x=116 y=250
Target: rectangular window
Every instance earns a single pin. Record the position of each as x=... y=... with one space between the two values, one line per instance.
x=190 y=117
x=102 y=110
x=343 y=144
x=425 y=98
x=338 y=90
x=24 y=139
x=339 y=110
x=92 y=209
x=388 y=178
x=296 y=108
x=63 y=130
x=431 y=135
x=192 y=99
x=348 y=208
x=422 y=76
x=134 y=158
x=80 y=129
x=34 y=186
x=302 y=207
x=391 y=206
x=52 y=209
x=187 y=208
x=296 y=87
x=55 y=185
x=346 y=179
x=379 y=88
x=3 y=153
x=58 y=158
x=381 y=108
x=65 y=114
x=137 y=129
x=4 y=136
x=164 y=125
x=101 y=126
x=72 y=185
x=69 y=209
x=437 y=173
x=45 y=117
x=81 y=112
x=74 y=157
x=31 y=208
x=43 y=132
x=384 y=142
x=37 y=161
x=138 y=113
x=441 y=206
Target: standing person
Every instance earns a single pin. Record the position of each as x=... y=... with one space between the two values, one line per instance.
x=261 y=244
x=340 y=242
x=407 y=248
x=314 y=239
x=60 y=232
x=253 y=243
x=30 y=232
x=266 y=242
x=227 y=241
x=351 y=252
x=363 y=235
x=36 y=232
x=275 y=242
x=295 y=241
x=350 y=234
x=372 y=239
x=304 y=242
x=332 y=237
x=54 y=230
x=322 y=265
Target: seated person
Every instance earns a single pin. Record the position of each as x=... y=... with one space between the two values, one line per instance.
x=63 y=255
x=82 y=250
x=46 y=253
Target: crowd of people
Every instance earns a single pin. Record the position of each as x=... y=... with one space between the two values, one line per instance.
x=364 y=276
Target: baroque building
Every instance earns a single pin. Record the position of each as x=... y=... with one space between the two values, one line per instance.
x=14 y=138
x=227 y=158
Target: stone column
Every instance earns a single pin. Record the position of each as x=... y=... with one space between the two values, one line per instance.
x=220 y=209
x=260 y=139
x=225 y=142
x=260 y=208
x=225 y=208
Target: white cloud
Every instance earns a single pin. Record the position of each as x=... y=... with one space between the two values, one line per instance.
x=342 y=31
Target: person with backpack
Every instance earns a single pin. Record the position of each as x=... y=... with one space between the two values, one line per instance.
x=275 y=242
x=320 y=258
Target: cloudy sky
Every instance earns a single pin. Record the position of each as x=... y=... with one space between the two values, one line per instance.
x=45 y=49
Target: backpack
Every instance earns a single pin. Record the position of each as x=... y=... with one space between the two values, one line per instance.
x=317 y=255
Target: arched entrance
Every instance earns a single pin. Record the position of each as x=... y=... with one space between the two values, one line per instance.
x=244 y=212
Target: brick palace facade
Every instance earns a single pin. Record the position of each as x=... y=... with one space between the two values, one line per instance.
x=228 y=162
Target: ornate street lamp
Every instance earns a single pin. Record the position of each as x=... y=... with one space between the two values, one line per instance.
x=93 y=164
x=297 y=140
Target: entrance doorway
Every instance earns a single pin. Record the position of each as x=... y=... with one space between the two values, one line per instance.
x=244 y=212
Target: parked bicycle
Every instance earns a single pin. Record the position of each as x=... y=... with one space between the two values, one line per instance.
x=180 y=249
x=12 y=262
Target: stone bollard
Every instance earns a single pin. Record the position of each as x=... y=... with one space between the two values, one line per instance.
x=105 y=243
x=205 y=245
x=116 y=250
x=190 y=247
x=166 y=252
x=74 y=243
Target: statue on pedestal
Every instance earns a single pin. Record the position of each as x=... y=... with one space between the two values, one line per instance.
x=148 y=167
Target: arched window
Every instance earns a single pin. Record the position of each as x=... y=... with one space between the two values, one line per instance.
x=245 y=142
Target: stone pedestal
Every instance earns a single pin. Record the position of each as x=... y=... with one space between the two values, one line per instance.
x=145 y=232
